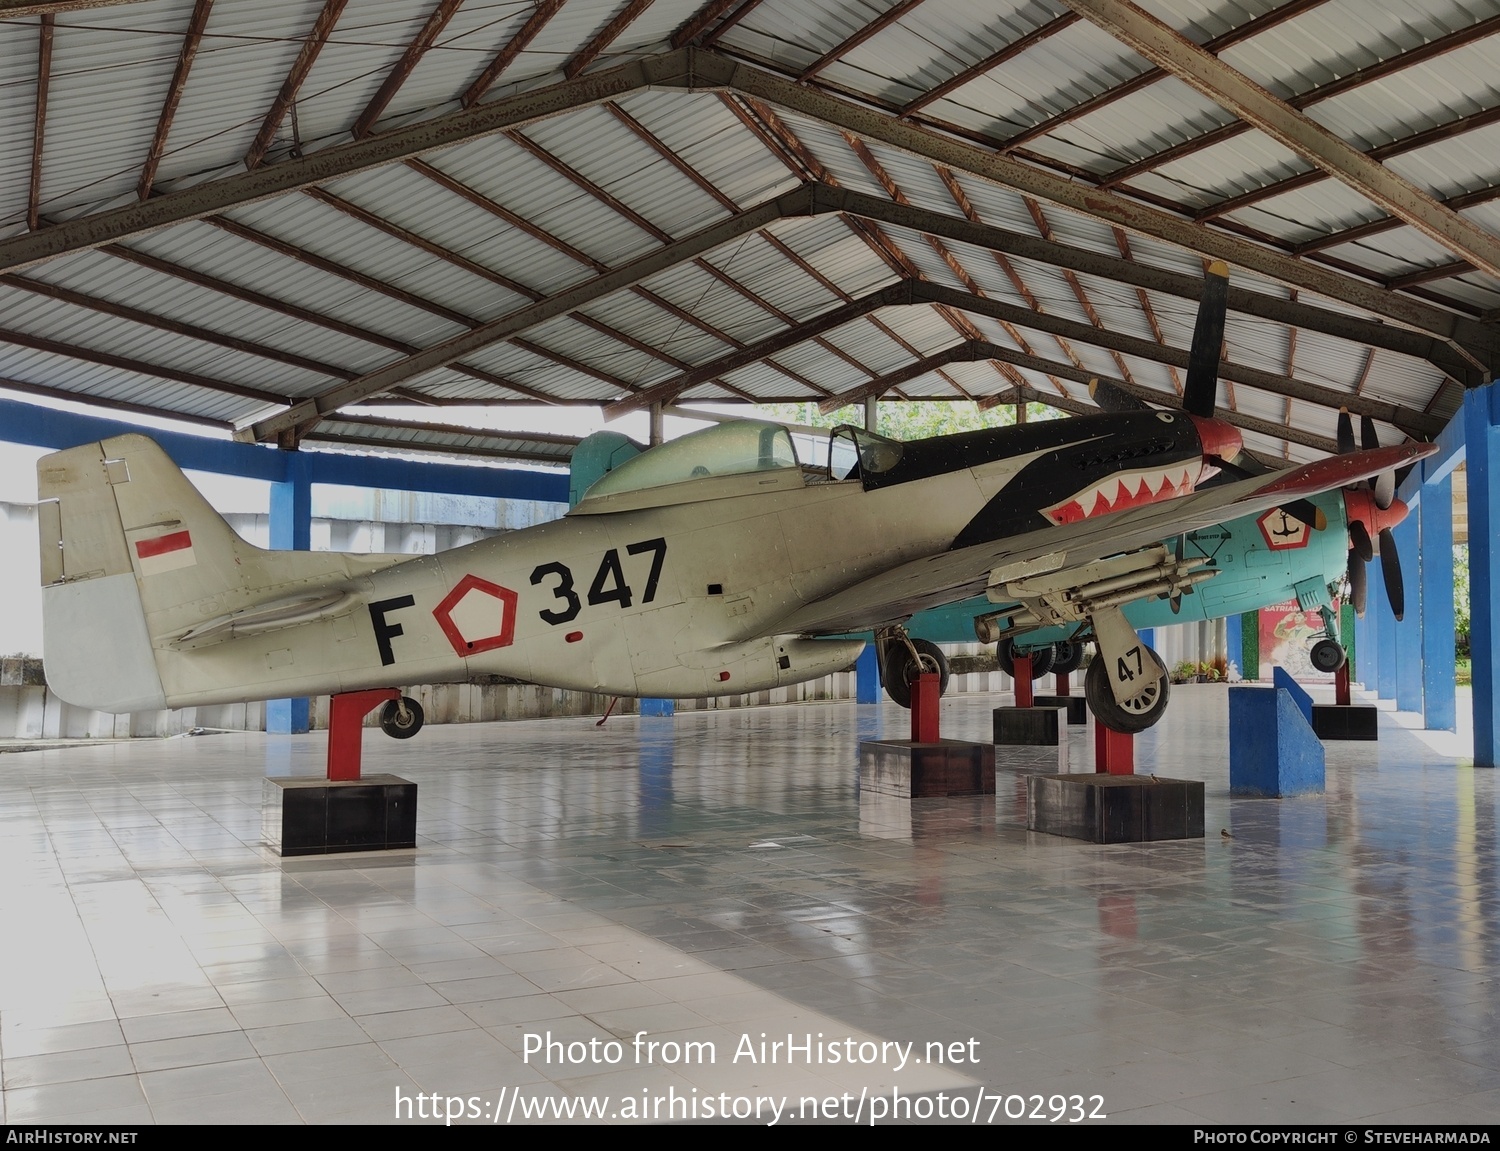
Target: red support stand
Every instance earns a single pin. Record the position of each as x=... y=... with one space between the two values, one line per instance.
x=1062 y=683
x=1341 y=685
x=924 y=708
x=1114 y=751
x=346 y=715
x=1025 y=697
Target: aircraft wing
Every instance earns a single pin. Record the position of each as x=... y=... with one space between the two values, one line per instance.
x=896 y=594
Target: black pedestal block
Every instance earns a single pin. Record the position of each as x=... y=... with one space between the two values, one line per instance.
x=1115 y=808
x=903 y=768
x=1028 y=726
x=312 y=816
x=1077 y=707
x=1347 y=721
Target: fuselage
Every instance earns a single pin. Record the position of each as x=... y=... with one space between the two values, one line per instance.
x=668 y=579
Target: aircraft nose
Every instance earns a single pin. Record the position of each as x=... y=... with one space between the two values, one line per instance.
x=1359 y=504
x=1218 y=438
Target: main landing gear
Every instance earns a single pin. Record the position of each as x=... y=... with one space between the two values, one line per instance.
x=1126 y=686
x=401 y=718
x=902 y=659
x=1043 y=658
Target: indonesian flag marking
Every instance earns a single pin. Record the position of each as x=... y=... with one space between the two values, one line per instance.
x=165 y=553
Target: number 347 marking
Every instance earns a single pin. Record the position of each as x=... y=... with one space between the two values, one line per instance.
x=608 y=586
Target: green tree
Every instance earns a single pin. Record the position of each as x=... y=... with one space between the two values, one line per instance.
x=911 y=419
x=1461 y=599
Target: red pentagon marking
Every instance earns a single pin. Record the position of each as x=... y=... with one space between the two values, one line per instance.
x=1283 y=532
x=465 y=613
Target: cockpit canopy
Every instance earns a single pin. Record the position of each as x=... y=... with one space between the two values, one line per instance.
x=854 y=453
x=735 y=458
x=728 y=449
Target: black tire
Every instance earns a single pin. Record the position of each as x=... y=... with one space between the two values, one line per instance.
x=398 y=725
x=1042 y=659
x=1069 y=653
x=1102 y=703
x=898 y=672
x=1327 y=655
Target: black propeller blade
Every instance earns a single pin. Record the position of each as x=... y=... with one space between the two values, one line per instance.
x=1358 y=591
x=1390 y=567
x=1360 y=543
x=1201 y=391
x=1345 y=432
x=1112 y=398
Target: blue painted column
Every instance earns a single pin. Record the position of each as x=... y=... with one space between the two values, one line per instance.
x=291 y=530
x=1234 y=641
x=649 y=706
x=1409 y=630
x=1481 y=414
x=1435 y=525
x=1365 y=654
x=1148 y=637
x=1385 y=632
x=867 y=676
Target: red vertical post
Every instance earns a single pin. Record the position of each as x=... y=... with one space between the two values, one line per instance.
x=1062 y=683
x=1341 y=685
x=1025 y=697
x=346 y=713
x=1114 y=751
x=924 y=708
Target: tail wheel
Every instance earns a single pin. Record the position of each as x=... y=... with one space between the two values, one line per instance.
x=1144 y=711
x=900 y=671
x=401 y=718
x=1327 y=655
x=1069 y=656
x=1042 y=658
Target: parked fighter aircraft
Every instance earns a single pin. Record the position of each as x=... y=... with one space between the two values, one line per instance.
x=708 y=565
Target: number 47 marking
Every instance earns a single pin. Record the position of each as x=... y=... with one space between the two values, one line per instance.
x=1123 y=672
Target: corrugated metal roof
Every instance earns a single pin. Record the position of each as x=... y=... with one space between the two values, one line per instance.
x=591 y=188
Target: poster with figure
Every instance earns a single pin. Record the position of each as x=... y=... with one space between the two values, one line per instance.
x=1287 y=634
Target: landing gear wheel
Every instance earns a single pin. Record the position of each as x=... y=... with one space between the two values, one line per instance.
x=1069 y=653
x=1142 y=712
x=401 y=718
x=1041 y=658
x=899 y=672
x=1327 y=655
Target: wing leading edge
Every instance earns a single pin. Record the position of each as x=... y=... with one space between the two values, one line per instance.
x=894 y=595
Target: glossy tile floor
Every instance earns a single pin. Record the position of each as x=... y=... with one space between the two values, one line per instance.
x=714 y=877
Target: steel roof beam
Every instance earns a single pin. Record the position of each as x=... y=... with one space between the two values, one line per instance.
x=14 y=9
x=308 y=412
x=849 y=43
x=1346 y=83
x=607 y=36
x=710 y=69
x=1236 y=92
x=668 y=390
x=1054 y=254
x=1415 y=423
x=307 y=56
x=989 y=63
x=1387 y=223
x=214 y=196
x=404 y=67
x=969 y=351
x=545 y=10
x=1251 y=28
x=39 y=123
x=190 y=41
